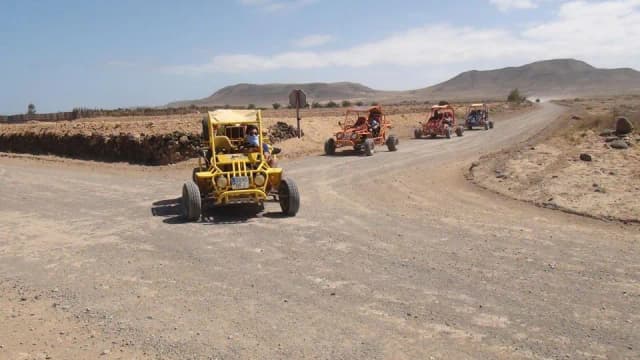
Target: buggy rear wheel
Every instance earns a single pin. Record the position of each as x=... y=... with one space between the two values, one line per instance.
x=330 y=146
x=191 y=203
x=369 y=147
x=417 y=133
x=205 y=129
x=392 y=143
x=486 y=126
x=289 y=197
x=447 y=132
x=490 y=124
x=459 y=131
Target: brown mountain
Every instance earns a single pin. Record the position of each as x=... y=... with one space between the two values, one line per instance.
x=267 y=94
x=549 y=78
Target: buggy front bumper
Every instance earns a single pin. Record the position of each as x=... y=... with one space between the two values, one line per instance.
x=246 y=196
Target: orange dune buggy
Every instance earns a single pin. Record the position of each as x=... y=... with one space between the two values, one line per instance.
x=441 y=122
x=364 y=127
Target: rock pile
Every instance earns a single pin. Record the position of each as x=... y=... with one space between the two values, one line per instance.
x=620 y=138
x=282 y=131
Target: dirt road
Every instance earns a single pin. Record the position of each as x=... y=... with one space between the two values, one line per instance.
x=393 y=256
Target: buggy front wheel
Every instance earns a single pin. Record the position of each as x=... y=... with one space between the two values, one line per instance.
x=289 y=197
x=369 y=147
x=191 y=203
x=330 y=146
x=392 y=143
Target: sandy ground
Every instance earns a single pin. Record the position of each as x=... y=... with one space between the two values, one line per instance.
x=393 y=256
x=36 y=325
x=550 y=173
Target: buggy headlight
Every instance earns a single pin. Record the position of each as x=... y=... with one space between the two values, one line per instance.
x=259 y=180
x=354 y=136
x=222 y=182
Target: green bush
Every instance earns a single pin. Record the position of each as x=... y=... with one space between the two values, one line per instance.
x=276 y=106
x=346 y=103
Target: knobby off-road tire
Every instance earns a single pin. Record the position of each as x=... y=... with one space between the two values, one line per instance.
x=447 y=132
x=392 y=143
x=490 y=124
x=191 y=203
x=330 y=146
x=417 y=133
x=369 y=147
x=289 y=197
x=459 y=131
x=486 y=126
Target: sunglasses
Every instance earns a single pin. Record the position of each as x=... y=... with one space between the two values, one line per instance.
x=253 y=133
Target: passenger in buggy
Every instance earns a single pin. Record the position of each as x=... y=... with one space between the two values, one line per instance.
x=360 y=122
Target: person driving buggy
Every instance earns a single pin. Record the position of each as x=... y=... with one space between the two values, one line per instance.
x=374 y=123
x=435 y=116
x=448 y=119
x=251 y=139
x=252 y=143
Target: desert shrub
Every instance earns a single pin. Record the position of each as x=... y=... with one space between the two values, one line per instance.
x=332 y=104
x=346 y=103
x=251 y=106
x=515 y=97
x=276 y=106
x=359 y=103
x=316 y=105
x=443 y=103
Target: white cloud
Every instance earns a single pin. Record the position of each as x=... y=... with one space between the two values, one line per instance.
x=312 y=41
x=506 y=5
x=605 y=32
x=277 y=5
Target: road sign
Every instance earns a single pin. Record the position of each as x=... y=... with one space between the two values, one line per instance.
x=298 y=99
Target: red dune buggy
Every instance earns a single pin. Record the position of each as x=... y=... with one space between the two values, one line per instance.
x=364 y=128
x=441 y=122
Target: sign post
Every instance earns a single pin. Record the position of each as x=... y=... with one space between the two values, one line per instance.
x=298 y=99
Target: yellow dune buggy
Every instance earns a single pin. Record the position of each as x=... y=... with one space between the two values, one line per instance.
x=235 y=171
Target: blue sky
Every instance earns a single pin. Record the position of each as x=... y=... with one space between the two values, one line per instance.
x=63 y=54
